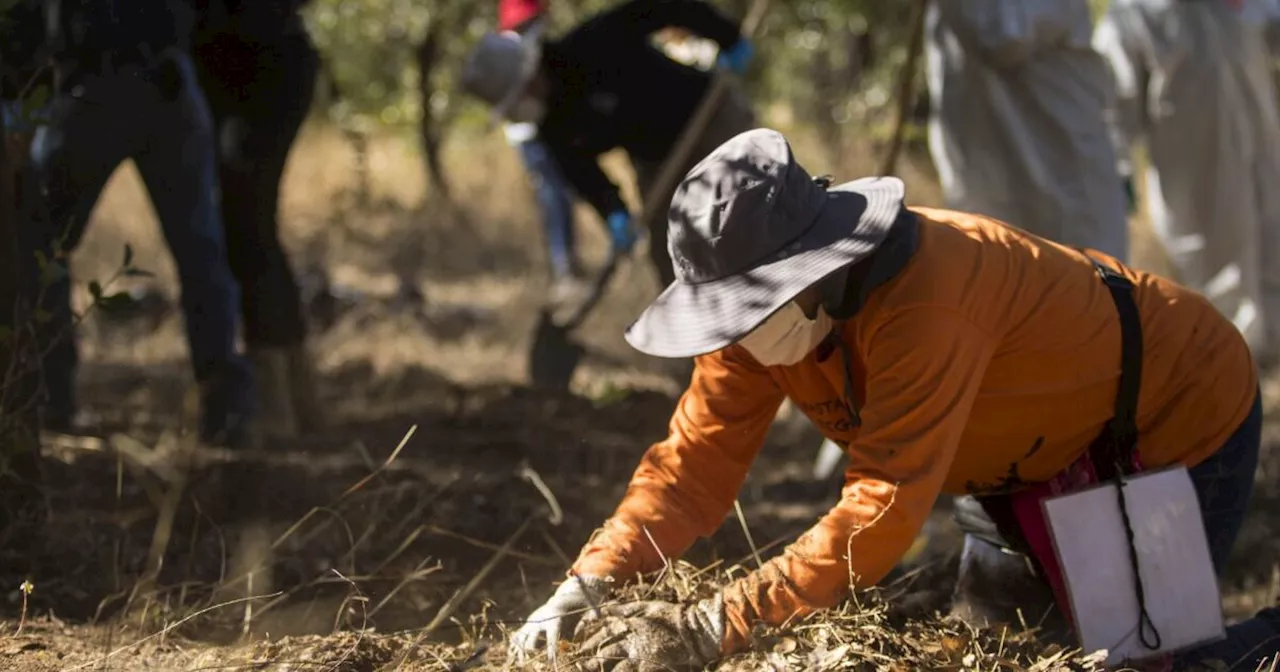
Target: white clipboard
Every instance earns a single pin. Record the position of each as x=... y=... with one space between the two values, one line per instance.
x=1181 y=588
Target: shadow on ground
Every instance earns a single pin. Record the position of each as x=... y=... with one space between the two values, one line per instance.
x=333 y=520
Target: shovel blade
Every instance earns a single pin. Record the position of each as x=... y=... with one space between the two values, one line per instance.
x=594 y=294
x=554 y=356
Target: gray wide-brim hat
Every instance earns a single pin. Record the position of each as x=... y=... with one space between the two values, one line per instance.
x=499 y=68
x=748 y=231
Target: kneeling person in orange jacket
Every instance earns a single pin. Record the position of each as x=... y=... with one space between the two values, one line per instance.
x=946 y=352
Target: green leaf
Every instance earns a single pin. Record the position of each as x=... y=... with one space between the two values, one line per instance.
x=128 y=256
x=52 y=272
x=95 y=290
x=6 y=334
x=609 y=395
x=41 y=259
x=43 y=316
x=117 y=301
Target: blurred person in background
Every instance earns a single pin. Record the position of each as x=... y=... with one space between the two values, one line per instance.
x=1194 y=85
x=1019 y=133
x=527 y=18
x=1018 y=130
x=258 y=68
x=126 y=88
x=939 y=349
x=21 y=72
x=603 y=86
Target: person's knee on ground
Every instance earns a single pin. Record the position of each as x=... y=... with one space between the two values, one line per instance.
x=997 y=585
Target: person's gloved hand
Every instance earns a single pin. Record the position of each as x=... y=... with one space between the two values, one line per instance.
x=1130 y=196
x=736 y=58
x=653 y=637
x=575 y=597
x=620 y=231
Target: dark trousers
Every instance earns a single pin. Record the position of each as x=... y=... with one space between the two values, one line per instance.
x=260 y=94
x=1224 y=484
x=555 y=199
x=157 y=116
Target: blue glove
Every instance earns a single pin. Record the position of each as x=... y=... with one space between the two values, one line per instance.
x=20 y=118
x=736 y=58
x=620 y=231
x=1130 y=196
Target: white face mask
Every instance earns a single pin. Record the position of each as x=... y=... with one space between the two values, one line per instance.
x=527 y=110
x=787 y=336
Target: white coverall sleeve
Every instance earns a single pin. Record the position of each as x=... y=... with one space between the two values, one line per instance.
x=1128 y=117
x=1005 y=33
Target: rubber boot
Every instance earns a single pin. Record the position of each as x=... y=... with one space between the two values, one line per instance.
x=307 y=412
x=228 y=405
x=998 y=587
x=271 y=367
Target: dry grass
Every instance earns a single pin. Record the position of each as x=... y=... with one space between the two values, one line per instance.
x=863 y=634
x=867 y=632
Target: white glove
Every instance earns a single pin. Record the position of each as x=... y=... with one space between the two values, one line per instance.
x=578 y=595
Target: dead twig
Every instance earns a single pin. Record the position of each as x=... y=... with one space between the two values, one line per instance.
x=742 y=520
x=166 y=630
x=390 y=458
x=527 y=473
x=449 y=607
x=527 y=557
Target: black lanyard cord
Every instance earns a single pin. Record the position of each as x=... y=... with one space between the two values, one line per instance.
x=1147 y=632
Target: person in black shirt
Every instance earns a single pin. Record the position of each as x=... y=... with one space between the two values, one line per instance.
x=529 y=19
x=258 y=69
x=604 y=85
x=125 y=88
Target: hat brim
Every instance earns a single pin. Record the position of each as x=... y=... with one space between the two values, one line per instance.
x=690 y=320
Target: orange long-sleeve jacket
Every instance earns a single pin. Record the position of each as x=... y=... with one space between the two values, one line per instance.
x=989 y=361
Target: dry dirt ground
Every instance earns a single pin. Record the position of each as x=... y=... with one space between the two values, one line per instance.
x=413 y=529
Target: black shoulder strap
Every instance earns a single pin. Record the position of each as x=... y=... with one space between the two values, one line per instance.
x=1112 y=451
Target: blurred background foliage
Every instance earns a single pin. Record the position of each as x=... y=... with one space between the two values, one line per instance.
x=829 y=63
x=826 y=64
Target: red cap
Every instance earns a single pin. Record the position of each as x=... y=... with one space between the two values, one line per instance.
x=514 y=13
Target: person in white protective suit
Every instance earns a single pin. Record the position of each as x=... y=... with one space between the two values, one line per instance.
x=1193 y=83
x=1018 y=130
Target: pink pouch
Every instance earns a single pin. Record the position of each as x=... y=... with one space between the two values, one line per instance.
x=1035 y=529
